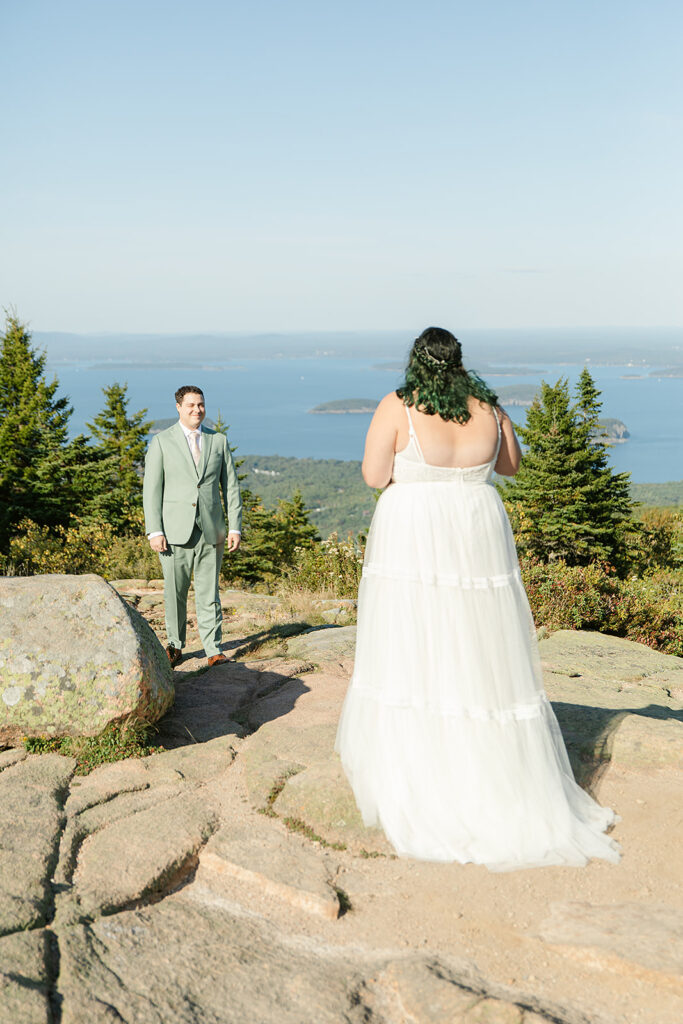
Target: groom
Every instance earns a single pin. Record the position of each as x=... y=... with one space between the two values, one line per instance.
x=187 y=469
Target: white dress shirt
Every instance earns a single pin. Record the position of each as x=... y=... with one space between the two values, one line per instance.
x=187 y=431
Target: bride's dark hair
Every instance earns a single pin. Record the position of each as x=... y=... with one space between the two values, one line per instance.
x=437 y=382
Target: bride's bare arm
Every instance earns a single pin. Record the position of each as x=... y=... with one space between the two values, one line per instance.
x=510 y=455
x=380 y=443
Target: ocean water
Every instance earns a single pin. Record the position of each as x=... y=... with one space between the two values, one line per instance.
x=267 y=403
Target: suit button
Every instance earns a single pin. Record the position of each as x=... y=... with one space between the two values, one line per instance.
x=194 y=504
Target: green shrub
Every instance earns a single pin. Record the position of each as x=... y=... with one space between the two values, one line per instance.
x=568 y=596
x=81 y=548
x=131 y=557
x=647 y=609
x=78 y=548
x=654 y=540
x=334 y=566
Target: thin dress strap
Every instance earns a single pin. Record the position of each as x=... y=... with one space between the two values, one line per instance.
x=412 y=433
x=500 y=434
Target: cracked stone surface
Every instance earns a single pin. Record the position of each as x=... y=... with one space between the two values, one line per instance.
x=230 y=878
x=32 y=794
x=25 y=978
x=137 y=855
x=270 y=859
x=143 y=966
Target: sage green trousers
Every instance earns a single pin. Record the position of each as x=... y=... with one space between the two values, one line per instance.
x=177 y=565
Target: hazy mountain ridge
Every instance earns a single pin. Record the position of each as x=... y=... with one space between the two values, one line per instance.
x=642 y=347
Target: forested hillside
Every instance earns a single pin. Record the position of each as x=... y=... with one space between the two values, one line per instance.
x=340 y=501
x=663 y=495
x=332 y=489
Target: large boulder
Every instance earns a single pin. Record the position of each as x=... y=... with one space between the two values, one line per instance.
x=75 y=657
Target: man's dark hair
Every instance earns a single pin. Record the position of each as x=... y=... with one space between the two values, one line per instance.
x=187 y=389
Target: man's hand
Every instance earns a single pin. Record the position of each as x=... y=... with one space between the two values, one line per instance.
x=233 y=541
x=158 y=544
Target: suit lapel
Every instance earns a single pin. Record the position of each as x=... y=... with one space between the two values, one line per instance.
x=204 y=458
x=181 y=442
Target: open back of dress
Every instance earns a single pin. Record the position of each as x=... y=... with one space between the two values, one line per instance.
x=447 y=737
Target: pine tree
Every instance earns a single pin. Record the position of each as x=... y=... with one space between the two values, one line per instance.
x=588 y=397
x=606 y=493
x=269 y=538
x=221 y=427
x=566 y=502
x=109 y=474
x=36 y=459
x=261 y=553
x=297 y=531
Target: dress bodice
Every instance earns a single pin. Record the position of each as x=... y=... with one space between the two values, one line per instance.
x=410 y=466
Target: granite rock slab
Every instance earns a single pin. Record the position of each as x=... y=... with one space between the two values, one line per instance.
x=32 y=796
x=75 y=657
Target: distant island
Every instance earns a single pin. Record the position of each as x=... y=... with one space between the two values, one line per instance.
x=612 y=431
x=668 y=371
x=516 y=394
x=347 y=405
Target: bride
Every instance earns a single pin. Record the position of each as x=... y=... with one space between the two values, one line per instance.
x=447 y=737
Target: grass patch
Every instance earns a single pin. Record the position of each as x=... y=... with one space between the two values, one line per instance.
x=272 y=640
x=117 y=742
x=279 y=785
x=297 y=825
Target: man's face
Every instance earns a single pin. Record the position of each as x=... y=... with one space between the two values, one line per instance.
x=191 y=410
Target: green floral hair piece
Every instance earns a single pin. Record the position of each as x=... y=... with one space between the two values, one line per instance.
x=437 y=382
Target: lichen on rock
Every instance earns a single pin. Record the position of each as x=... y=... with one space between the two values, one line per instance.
x=75 y=657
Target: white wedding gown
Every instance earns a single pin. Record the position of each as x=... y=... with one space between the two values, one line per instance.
x=447 y=737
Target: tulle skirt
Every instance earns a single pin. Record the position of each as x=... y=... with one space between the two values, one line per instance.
x=446 y=735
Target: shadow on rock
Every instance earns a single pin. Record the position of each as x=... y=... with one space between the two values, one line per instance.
x=217 y=702
x=597 y=737
x=271 y=640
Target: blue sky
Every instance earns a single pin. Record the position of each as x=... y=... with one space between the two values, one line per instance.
x=272 y=165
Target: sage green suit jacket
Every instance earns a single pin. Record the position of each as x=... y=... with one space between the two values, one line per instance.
x=174 y=487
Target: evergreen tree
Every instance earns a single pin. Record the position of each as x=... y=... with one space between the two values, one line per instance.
x=122 y=435
x=36 y=459
x=566 y=502
x=109 y=475
x=588 y=396
x=260 y=555
x=297 y=531
x=221 y=427
x=269 y=538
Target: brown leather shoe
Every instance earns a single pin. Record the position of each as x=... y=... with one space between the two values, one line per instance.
x=218 y=659
x=175 y=656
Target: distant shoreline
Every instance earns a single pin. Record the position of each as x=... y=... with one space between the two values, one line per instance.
x=345 y=406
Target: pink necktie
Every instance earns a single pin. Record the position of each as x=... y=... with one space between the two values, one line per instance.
x=194 y=446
